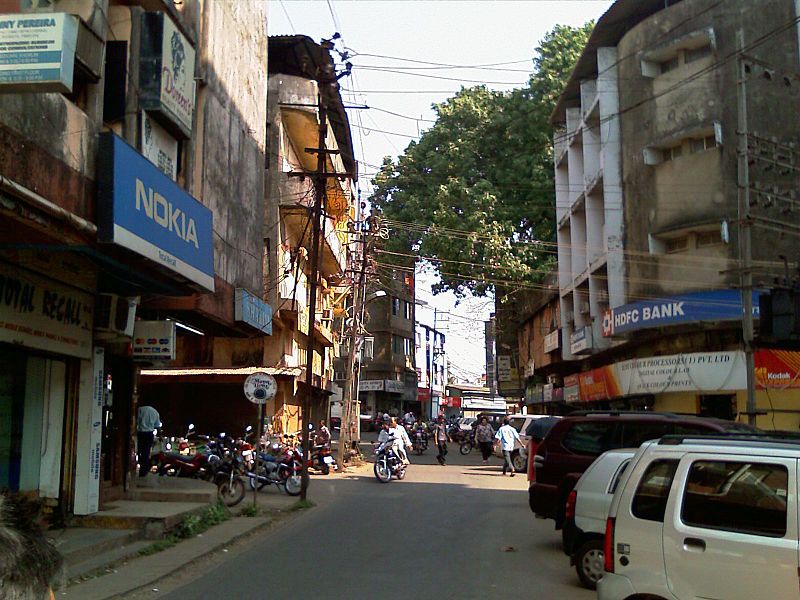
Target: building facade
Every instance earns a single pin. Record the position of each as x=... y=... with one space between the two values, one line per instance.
x=127 y=213
x=388 y=380
x=647 y=189
x=432 y=371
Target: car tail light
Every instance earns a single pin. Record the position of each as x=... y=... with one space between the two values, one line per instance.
x=532 y=445
x=608 y=546
x=569 y=512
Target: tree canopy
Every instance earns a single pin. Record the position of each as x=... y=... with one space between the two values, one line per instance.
x=476 y=192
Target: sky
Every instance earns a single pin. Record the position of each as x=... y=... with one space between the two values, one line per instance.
x=407 y=55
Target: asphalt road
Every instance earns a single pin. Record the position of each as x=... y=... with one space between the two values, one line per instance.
x=459 y=531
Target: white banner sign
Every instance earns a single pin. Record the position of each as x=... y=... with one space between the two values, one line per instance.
x=552 y=340
x=89 y=442
x=154 y=340
x=177 y=74
x=370 y=385
x=159 y=147
x=504 y=367
x=37 y=52
x=699 y=371
x=39 y=313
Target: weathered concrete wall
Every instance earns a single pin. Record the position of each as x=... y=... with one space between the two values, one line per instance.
x=226 y=170
x=698 y=189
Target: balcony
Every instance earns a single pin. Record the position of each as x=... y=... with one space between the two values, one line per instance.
x=333 y=257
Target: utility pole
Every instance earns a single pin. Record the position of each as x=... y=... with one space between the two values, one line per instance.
x=432 y=361
x=359 y=291
x=745 y=231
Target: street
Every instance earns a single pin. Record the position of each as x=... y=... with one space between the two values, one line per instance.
x=460 y=531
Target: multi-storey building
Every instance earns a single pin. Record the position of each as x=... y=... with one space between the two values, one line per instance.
x=388 y=381
x=130 y=213
x=432 y=371
x=647 y=190
x=297 y=66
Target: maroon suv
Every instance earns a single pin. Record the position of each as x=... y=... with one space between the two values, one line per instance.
x=575 y=441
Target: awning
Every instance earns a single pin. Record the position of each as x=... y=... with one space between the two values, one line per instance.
x=218 y=375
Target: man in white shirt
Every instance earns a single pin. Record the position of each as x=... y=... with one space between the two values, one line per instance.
x=147 y=421
x=508 y=438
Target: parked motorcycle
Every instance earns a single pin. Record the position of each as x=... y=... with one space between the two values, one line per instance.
x=387 y=463
x=201 y=464
x=230 y=484
x=468 y=443
x=282 y=467
x=322 y=459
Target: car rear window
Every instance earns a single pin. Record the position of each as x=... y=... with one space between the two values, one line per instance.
x=634 y=434
x=591 y=437
x=650 y=500
x=745 y=497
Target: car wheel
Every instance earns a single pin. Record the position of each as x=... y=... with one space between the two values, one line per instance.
x=519 y=462
x=589 y=563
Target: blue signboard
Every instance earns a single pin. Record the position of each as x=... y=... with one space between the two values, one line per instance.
x=716 y=305
x=252 y=310
x=143 y=210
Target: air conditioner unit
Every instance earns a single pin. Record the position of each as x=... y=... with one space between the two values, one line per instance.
x=114 y=316
x=584 y=308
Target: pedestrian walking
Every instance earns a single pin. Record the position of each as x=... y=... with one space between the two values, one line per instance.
x=508 y=438
x=147 y=421
x=484 y=435
x=440 y=437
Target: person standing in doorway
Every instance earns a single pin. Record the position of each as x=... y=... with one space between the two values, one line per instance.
x=484 y=435
x=147 y=421
x=508 y=438
x=440 y=437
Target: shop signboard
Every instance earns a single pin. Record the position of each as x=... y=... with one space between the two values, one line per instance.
x=572 y=391
x=503 y=367
x=547 y=392
x=252 y=310
x=394 y=387
x=39 y=313
x=89 y=438
x=715 y=305
x=37 y=52
x=777 y=369
x=580 y=342
x=143 y=210
x=423 y=394
x=370 y=385
x=154 y=340
x=166 y=74
x=159 y=147
x=552 y=341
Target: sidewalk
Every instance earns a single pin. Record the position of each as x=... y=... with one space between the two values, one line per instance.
x=135 y=572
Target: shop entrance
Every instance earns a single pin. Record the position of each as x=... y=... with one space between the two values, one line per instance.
x=719 y=406
x=114 y=450
x=32 y=402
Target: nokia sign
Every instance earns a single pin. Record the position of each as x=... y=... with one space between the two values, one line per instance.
x=143 y=210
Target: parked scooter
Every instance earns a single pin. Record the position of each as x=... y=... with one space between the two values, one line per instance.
x=202 y=464
x=387 y=463
x=281 y=466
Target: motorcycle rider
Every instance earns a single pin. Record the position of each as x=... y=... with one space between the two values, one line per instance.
x=323 y=435
x=401 y=440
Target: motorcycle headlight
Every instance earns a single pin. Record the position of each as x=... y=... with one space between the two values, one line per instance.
x=169 y=446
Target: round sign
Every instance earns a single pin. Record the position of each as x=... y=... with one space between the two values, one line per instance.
x=260 y=388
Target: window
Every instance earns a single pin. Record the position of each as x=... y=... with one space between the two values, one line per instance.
x=612 y=487
x=395 y=306
x=669 y=65
x=737 y=496
x=636 y=434
x=689 y=56
x=677 y=244
x=702 y=144
x=407 y=310
x=592 y=438
x=673 y=152
x=709 y=238
x=397 y=344
x=650 y=500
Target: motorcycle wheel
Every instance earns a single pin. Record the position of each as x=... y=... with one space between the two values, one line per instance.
x=325 y=468
x=465 y=448
x=382 y=471
x=293 y=485
x=231 y=492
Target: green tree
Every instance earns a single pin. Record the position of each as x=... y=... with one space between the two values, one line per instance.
x=477 y=189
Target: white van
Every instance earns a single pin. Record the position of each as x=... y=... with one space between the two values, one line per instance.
x=700 y=517
x=587 y=511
